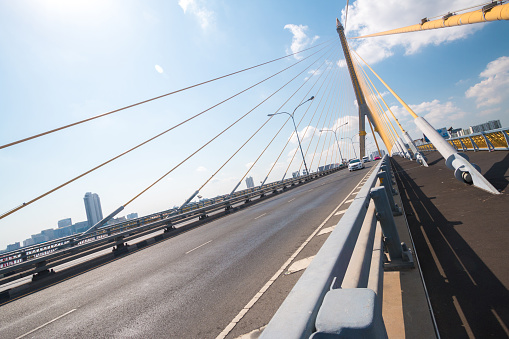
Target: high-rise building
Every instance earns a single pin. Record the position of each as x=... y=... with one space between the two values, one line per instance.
x=93 y=208
x=249 y=182
x=132 y=216
x=64 y=222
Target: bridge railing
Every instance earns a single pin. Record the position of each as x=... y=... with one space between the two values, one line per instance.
x=493 y=140
x=39 y=258
x=341 y=290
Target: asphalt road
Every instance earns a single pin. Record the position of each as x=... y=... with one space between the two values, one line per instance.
x=189 y=286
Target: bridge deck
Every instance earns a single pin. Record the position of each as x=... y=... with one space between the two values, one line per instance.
x=461 y=240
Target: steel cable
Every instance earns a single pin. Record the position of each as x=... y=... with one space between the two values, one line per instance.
x=152 y=99
x=147 y=141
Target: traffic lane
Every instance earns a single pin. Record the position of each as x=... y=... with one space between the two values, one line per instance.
x=105 y=280
x=161 y=290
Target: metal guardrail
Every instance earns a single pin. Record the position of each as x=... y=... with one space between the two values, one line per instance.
x=40 y=258
x=340 y=293
x=494 y=140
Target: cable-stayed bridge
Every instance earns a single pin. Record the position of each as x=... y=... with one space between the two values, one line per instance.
x=177 y=272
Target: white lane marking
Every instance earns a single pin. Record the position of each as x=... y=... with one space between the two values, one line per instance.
x=310 y=190
x=260 y=216
x=49 y=322
x=349 y=201
x=299 y=265
x=327 y=230
x=341 y=212
x=291 y=200
x=258 y=295
x=198 y=247
x=253 y=334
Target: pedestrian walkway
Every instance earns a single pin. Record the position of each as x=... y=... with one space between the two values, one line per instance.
x=461 y=238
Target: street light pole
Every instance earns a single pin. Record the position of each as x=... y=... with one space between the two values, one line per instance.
x=335 y=135
x=295 y=127
x=352 y=145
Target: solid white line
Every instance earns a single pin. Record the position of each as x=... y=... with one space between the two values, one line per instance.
x=49 y=322
x=258 y=295
x=260 y=216
x=198 y=247
x=291 y=200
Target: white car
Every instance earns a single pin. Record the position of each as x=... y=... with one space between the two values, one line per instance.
x=355 y=164
x=365 y=159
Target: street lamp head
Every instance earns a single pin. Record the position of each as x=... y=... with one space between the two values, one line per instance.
x=270 y=115
x=312 y=97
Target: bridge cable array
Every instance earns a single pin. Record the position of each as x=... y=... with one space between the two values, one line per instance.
x=156 y=98
x=152 y=138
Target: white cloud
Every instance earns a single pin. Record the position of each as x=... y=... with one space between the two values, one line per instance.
x=305 y=134
x=367 y=17
x=205 y=16
x=341 y=63
x=437 y=113
x=201 y=169
x=495 y=87
x=300 y=39
x=159 y=69
x=490 y=111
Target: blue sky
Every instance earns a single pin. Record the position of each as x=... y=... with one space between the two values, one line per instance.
x=64 y=61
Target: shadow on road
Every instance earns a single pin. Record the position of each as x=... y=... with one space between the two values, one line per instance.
x=496 y=175
x=467 y=297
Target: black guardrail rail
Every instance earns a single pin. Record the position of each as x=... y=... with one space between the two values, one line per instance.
x=39 y=258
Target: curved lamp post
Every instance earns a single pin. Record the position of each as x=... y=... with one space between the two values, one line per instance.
x=335 y=135
x=295 y=126
x=352 y=145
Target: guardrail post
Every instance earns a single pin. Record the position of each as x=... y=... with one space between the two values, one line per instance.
x=386 y=166
x=386 y=184
x=488 y=142
x=506 y=137
x=350 y=313
x=399 y=252
x=474 y=145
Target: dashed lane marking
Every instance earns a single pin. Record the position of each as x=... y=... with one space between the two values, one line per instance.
x=258 y=295
x=49 y=322
x=291 y=200
x=327 y=230
x=198 y=247
x=299 y=265
x=260 y=216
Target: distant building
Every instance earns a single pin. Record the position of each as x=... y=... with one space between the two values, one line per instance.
x=49 y=234
x=64 y=222
x=132 y=216
x=39 y=238
x=13 y=247
x=487 y=126
x=250 y=182
x=81 y=226
x=93 y=208
x=64 y=231
x=28 y=242
x=443 y=132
